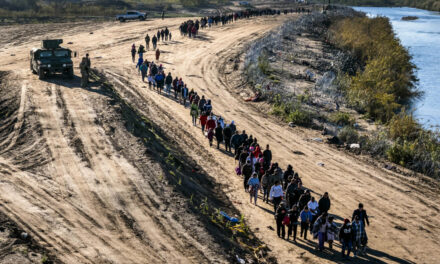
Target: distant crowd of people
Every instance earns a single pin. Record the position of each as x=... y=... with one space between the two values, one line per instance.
x=293 y=204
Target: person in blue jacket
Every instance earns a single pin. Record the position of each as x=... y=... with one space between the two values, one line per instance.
x=306 y=218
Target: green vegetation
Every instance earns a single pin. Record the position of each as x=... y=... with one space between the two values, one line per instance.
x=291 y=112
x=423 y=4
x=341 y=119
x=381 y=88
x=387 y=81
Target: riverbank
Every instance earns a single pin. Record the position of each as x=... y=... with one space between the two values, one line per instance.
x=432 y=5
x=314 y=72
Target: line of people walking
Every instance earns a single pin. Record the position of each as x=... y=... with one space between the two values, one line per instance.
x=293 y=204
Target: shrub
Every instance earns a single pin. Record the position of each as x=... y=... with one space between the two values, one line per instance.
x=300 y=117
x=403 y=126
x=263 y=64
x=401 y=153
x=341 y=119
x=348 y=135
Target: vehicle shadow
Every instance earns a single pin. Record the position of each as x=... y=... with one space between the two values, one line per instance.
x=73 y=83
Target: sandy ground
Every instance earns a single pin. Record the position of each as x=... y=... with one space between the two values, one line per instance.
x=76 y=198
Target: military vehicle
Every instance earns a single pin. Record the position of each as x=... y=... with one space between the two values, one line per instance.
x=51 y=58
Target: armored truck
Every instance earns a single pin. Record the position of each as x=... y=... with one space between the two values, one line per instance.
x=51 y=58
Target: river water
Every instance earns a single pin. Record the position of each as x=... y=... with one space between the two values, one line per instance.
x=422 y=38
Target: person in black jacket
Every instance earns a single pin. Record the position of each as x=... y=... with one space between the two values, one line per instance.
x=304 y=199
x=219 y=134
x=236 y=142
x=346 y=238
x=168 y=82
x=267 y=154
x=227 y=134
x=324 y=204
x=363 y=217
x=279 y=217
x=247 y=172
x=293 y=225
x=288 y=173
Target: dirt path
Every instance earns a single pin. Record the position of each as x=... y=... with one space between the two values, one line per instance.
x=81 y=208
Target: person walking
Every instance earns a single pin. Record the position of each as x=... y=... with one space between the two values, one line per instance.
x=247 y=172
x=144 y=70
x=313 y=207
x=227 y=134
x=306 y=218
x=254 y=186
x=293 y=226
x=276 y=194
x=332 y=231
x=160 y=82
x=280 y=214
x=133 y=52
x=235 y=142
x=194 y=113
x=167 y=32
x=147 y=42
x=219 y=134
x=359 y=237
x=163 y=15
x=185 y=93
x=266 y=186
x=168 y=82
x=320 y=230
x=267 y=154
x=362 y=213
x=304 y=199
x=158 y=35
x=203 y=120
x=84 y=72
x=157 y=54
x=324 y=203
x=154 y=42
x=346 y=238
x=169 y=36
x=210 y=136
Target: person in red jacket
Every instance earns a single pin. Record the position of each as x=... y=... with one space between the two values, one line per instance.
x=210 y=124
x=257 y=152
x=203 y=120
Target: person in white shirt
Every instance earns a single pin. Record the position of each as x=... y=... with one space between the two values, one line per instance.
x=276 y=195
x=313 y=206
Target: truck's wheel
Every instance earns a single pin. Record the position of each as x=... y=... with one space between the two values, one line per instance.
x=70 y=73
x=41 y=74
x=32 y=69
x=141 y=18
x=122 y=20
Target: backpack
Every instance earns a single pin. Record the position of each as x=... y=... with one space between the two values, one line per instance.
x=238 y=170
x=286 y=220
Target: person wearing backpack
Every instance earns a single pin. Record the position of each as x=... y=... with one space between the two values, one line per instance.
x=293 y=226
x=246 y=170
x=254 y=185
x=280 y=214
x=194 y=113
x=266 y=186
x=346 y=238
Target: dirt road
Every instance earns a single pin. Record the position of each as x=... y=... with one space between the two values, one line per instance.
x=77 y=191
